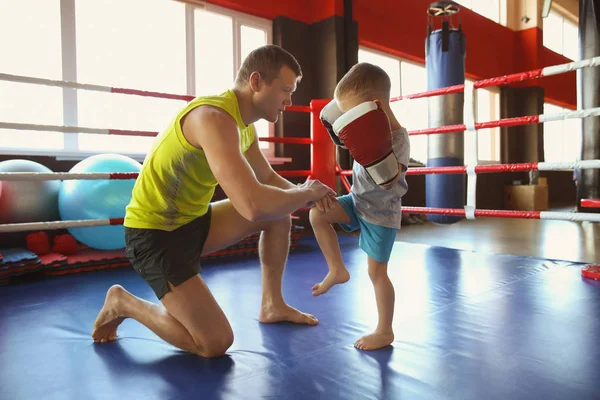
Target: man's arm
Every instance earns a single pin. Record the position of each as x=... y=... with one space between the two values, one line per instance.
x=216 y=133
x=268 y=176
x=263 y=170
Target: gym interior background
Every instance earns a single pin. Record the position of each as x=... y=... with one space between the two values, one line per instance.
x=506 y=316
x=205 y=41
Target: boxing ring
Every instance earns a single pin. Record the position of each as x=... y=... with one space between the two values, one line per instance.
x=468 y=325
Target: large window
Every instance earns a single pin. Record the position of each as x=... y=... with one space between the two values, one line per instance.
x=562 y=139
x=561 y=34
x=409 y=78
x=131 y=52
x=491 y=9
x=190 y=49
x=406 y=78
x=413 y=113
x=487 y=108
x=251 y=38
x=22 y=26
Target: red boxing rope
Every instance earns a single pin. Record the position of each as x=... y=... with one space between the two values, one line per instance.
x=515 y=121
x=430 y=93
x=478 y=213
x=298 y=108
x=512 y=78
x=590 y=203
x=478 y=169
x=146 y=93
x=541 y=166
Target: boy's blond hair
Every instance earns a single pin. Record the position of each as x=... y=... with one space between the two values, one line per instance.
x=366 y=81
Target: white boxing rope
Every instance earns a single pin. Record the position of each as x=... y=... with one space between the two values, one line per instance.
x=74 y=129
x=35 y=226
x=52 y=82
x=52 y=128
x=58 y=176
x=555 y=166
x=572 y=66
x=590 y=112
x=91 y=87
x=570 y=216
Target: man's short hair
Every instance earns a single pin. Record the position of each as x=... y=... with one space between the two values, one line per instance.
x=268 y=61
x=366 y=81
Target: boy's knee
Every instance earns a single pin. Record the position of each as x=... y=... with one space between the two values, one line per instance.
x=377 y=270
x=315 y=216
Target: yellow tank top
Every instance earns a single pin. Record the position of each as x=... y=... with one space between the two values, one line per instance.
x=176 y=185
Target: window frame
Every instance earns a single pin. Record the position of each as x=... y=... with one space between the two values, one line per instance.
x=499 y=15
x=566 y=135
x=68 y=38
x=239 y=19
x=566 y=18
x=494 y=108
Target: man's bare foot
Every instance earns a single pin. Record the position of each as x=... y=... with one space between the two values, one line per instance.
x=333 y=278
x=375 y=340
x=285 y=313
x=110 y=316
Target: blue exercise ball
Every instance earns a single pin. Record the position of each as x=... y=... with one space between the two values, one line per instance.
x=98 y=199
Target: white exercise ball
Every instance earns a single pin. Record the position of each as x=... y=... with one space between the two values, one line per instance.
x=27 y=201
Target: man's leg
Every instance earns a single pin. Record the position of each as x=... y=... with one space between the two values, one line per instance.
x=189 y=319
x=328 y=242
x=228 y=227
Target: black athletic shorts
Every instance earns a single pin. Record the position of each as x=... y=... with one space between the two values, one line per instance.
x=167 y=256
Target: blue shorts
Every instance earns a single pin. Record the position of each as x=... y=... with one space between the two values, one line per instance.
x=377 y=241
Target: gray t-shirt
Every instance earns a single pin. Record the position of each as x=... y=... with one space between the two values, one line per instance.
x=374 y=204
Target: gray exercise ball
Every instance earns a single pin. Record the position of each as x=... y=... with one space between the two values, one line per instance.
x=27 y=201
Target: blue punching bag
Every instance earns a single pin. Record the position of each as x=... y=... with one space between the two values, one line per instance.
x=445 y=51
x=588 y=87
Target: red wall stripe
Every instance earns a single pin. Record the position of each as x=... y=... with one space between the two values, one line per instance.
x=307 y=11
x=560 y=89
x=399 y=28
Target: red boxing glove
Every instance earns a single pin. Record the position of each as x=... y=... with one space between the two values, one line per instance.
x=329 y=114
x=365 y=132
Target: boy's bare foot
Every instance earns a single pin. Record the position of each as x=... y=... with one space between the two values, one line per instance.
x=110 y=316
x=375 y=340
x=332 y=278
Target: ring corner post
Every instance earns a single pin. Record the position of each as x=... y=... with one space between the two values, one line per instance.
x=322 y=152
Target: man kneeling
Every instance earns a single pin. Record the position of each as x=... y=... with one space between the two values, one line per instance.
x=171 y=221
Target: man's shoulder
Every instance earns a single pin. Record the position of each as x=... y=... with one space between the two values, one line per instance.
x=223 y=104
x=206 y=122
x=211 y=115
x=209 y=111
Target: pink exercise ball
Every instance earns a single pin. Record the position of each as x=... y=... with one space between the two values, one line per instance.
x=27 y=201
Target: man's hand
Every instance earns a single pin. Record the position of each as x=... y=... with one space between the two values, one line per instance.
x=316 y=191
x=326 y=203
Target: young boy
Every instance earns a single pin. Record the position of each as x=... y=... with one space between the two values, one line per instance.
x=375 y=210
